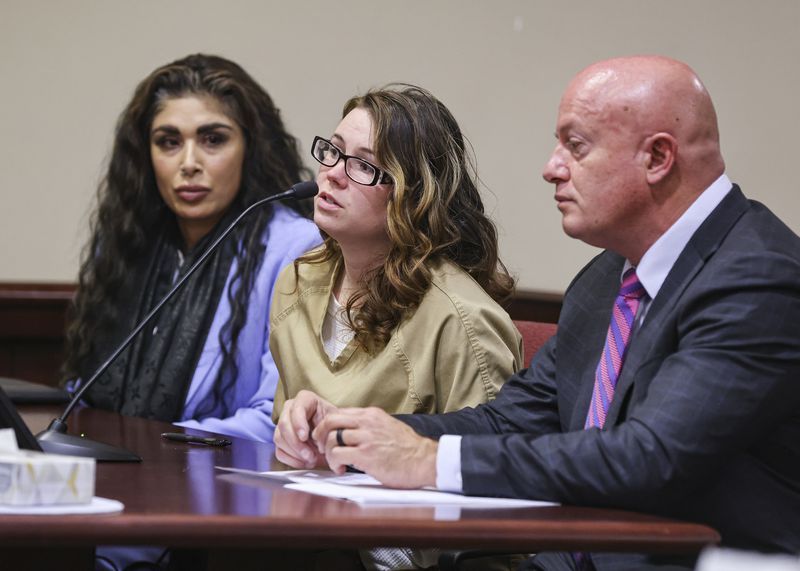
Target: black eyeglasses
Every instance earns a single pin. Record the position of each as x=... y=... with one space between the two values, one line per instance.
x=357 y=170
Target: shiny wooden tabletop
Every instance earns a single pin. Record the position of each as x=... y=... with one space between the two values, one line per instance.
x=176 y=497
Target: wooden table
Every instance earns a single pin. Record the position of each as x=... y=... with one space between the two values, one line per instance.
x=176 y=497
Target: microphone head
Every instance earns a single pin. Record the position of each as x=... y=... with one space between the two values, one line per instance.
x=305 y=189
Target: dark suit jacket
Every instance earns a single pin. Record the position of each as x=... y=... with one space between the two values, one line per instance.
x=705 y=421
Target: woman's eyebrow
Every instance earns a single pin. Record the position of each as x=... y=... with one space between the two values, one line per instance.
x=172 y=130
x=168 y=129
x=362 y=150
x=213 y=127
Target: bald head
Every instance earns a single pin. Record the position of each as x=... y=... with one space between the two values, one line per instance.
x=637 y=144
x=654 y=94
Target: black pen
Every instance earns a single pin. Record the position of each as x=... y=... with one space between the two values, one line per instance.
x=181 y=437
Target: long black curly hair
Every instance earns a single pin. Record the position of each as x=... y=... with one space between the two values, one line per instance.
x=131 y=212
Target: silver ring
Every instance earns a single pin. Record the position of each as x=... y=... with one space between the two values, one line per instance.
x=339 y=439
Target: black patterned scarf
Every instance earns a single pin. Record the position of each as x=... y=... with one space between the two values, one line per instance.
x=151 y=377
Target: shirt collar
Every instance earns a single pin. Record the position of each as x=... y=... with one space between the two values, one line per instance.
x=662 y=255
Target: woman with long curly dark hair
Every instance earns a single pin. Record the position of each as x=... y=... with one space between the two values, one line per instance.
x=199 y=142
x=399 y=308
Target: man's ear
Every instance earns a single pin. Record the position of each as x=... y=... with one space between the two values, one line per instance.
x=661 y=153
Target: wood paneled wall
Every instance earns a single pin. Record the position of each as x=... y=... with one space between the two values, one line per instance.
x=33 y=320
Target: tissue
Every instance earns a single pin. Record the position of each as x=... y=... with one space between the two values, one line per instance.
x=37 y=479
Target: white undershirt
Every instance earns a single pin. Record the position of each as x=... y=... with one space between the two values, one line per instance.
x=336 y=333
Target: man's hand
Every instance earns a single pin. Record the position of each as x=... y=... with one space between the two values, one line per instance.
x=381 y=446
x=293 y=444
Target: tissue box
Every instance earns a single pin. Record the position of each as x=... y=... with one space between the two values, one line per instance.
x=37 y=479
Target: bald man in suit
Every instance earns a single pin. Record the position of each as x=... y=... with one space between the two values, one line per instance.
x=691 y=407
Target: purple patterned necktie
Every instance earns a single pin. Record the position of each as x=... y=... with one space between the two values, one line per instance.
x=619 y=332
x=608 y=369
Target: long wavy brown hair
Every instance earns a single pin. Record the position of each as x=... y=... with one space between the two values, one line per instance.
x=130 y=211
x=435 y=212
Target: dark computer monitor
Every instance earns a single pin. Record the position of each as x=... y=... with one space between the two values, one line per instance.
x=10 y=418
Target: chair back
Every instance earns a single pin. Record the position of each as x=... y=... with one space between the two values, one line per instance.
x=534 y=334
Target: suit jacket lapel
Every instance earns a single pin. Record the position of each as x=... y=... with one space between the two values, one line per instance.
x=585 y=318
x=705 y=241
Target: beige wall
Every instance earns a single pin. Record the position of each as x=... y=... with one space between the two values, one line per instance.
x=67 y=68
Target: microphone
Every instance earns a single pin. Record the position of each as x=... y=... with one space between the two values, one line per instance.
x=55 y=439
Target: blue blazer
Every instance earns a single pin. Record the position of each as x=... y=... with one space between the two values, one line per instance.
x=705 y=421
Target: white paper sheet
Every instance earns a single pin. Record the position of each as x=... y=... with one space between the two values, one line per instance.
x=366 y=490
x=389 y=496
